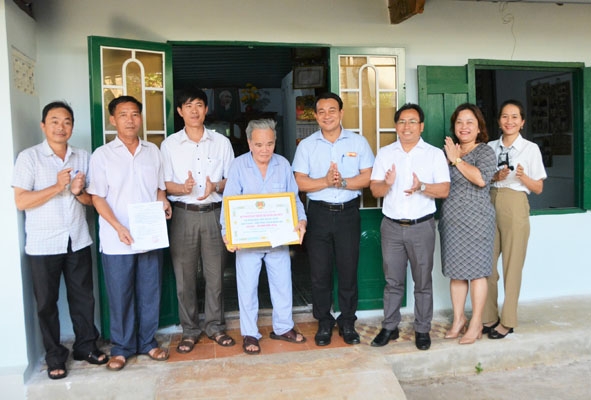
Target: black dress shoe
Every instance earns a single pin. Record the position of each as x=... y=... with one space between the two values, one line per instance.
x=494 y=334
x=488 y=329
x=350 y=336
x=385 y=336
x=92 y=357
x=323 y=336
x=422 y=340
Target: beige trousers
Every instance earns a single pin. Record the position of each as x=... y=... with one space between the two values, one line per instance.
x=512 y=208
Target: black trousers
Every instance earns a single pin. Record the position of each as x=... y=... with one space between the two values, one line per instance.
x=77 y=270
x=332 y=238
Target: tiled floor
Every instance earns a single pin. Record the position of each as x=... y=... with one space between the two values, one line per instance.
x=207 y=349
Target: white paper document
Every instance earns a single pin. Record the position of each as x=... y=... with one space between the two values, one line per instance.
x=283 y=236
x=147 y=225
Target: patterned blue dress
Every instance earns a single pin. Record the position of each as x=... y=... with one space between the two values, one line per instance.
x=467 y=224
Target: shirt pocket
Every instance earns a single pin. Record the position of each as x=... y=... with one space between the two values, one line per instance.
x=350 y=165
x=214 y=169
x=278 y=187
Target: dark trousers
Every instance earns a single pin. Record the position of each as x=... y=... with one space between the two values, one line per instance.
x=332 y=237
x=46 y=274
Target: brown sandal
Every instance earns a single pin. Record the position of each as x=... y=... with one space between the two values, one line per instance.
x=289 y=336
x=188 y=343
x=158 y=354
x=116 y=363
x=223 y=339
x=251 y=341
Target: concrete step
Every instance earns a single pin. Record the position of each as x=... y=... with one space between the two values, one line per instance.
x=550 y=331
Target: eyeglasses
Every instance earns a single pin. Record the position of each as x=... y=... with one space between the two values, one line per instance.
x=504 y=160
x=411 y=122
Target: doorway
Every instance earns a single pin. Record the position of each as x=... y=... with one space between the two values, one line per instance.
x=229 y=74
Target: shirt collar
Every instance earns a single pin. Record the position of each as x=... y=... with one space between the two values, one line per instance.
x=420 y=144
x=185 y=138
x=118 y=143
x=48 y=151
x=252 y=164
x=345 y=134
x=517 y=144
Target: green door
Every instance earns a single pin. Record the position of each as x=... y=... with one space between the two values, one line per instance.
x=143 y=70
x=371 y=83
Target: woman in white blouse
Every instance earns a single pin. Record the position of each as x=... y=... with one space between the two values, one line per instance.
x=520 y=172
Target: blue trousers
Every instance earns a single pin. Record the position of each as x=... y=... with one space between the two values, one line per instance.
x=133 y=283
x=248 y=269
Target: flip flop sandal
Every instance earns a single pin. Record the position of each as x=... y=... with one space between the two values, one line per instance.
x=251 y=341
x=57 y=367
x=221 y=338
x=289 y=336
x=189 y=343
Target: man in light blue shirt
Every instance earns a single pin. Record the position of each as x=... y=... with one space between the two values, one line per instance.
x=332 y=166
x=256 y=172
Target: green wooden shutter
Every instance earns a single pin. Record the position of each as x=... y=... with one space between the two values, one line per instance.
x=441 y=90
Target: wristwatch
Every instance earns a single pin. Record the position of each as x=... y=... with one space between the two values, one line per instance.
x=217 y=187
x=343 y=183
x=423 y=187
x=457 y=161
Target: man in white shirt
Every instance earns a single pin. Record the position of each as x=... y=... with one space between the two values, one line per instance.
x=124 y=171
x=196 y=164
x=49 y=181
x=409 y=174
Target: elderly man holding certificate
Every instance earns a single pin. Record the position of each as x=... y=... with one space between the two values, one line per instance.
x=260 y=172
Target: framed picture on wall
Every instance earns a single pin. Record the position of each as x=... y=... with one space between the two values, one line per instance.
x=226 y=103
x=309 y=77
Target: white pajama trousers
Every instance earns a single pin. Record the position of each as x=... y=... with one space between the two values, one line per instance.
x=248 y=269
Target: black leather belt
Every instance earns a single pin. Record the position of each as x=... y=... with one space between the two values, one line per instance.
x=408 y=222
x=337 y=206
x=197 y=207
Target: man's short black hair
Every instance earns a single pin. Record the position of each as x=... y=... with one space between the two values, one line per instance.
x=56 y=104
x=329 y=95
x=410 y=106
x=123 y=99
x=190 y=94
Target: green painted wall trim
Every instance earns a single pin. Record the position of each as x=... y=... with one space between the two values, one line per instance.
x=522 y=65
x=585 y=143
x=239 y=43
x=557 y=211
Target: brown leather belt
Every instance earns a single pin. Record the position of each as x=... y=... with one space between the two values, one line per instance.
x=202 y=208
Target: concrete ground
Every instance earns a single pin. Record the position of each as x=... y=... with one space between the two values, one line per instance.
x=548 y=357
x=563 y=381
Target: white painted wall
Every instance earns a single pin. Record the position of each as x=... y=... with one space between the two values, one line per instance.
x=448 y=33
x=17 y=31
